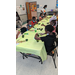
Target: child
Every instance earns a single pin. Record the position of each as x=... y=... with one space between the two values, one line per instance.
x=53 y=23
x=41 y=16
x=52 y=18
x=33 y=22
x=44 y=9
x=54 y=15
x=29 y=25
x=44 y=15
x=17 y=16
x=24 y=29
x=18 y=21
x=49 y=39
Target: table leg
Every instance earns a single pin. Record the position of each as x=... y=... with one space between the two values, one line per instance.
x=54 y=62
x=23 y=55
x=40 y=60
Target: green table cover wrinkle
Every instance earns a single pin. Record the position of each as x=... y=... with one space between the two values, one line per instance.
x=32 y=46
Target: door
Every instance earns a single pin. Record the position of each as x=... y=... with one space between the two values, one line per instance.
x=28 y=10
x=31 y=8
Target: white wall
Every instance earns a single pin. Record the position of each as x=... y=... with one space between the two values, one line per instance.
x=51 y=4
x=21 y=2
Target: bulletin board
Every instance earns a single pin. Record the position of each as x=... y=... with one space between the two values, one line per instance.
x=33 y=6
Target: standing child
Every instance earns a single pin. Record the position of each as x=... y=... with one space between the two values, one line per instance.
x=41 y=16
x=44 y=9
x=49 y=39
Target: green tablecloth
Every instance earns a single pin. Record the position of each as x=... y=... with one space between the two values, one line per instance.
x=32 y=46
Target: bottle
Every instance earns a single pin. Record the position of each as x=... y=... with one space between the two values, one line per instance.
x=22 y=36
x=38 y=40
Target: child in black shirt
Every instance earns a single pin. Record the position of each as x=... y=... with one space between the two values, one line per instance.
x=49 y=39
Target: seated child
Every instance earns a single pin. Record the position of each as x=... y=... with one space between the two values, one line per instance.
x=33 y=22
x=53 y=23
x=49 y=39
x=44 y=15
x=41 y=16
x=52 y=18
x=54 y=15
x=29 y=24
x=18 y=21
x=24 y=29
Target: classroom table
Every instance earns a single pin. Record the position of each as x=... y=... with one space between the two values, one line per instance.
x=32 y=46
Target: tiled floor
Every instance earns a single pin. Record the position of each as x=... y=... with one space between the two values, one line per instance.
x=31 y=66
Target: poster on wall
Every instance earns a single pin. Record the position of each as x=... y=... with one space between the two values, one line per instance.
x=20 y=9
x=33 y=7
x=37 y=5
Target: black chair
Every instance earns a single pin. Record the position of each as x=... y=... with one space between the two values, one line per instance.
x=54 y=55
x=57 y=29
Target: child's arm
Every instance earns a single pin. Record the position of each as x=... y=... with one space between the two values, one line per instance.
x=28 y=27
x=36 y=22
x=42 y=25
x=42 y=33
x=36 y=37
x=17 y=34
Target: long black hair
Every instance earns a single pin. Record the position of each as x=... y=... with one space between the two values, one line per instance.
x=45 y=6
x=17 y=15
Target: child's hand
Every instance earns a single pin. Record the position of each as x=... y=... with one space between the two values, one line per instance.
x=36 y=33
x=18 y=32
x=42 y=25
x=42 y=33
x=36 y=22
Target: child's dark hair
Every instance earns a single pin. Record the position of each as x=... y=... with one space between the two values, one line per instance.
x=45 y=6
x=28 y=21
x=49 y=28
x=54 y=21
x=33 y=18
x=44 y=14
x=55 y=13
x=41 y=14
x=24 y=29
x=17 y=13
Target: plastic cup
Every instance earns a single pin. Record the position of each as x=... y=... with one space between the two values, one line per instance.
x=22 y=36
x=26 y=39
x=37 y=40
